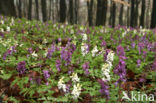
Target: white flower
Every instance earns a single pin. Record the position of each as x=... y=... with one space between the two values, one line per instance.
x=2 y=30
x=76 y=91
x=21 y=45
x=75 y=78
x=94 y=51
x=34 y=54
x=72 y=31
x=84 y=38
x=8 y=29
x=2 y=22
x=12 y=21
x=123 y=34
x=110 y=56
x=84 y=48
x=44 y=41
x=61 y=85
x=106 y=70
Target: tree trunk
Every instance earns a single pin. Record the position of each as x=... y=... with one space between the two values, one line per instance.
x=142 y=13
x=153 y=18
x=50 y=9
x=121 y=15
x=7 y=8
x=30 y=10
x=63 y=11
x=132 y=13
x=71 y=12
x=136 y=13
x=101 y=12
x=44 y=10
x=37 y=10
x=114 y=14
x=76 y=9
x=20 y=9
x=90 y=12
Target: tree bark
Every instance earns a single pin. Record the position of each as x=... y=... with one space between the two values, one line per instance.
x=114 y=15
x=76 y=13
x=63 y=11
x=136 y=13
x=142 y=17
x=132 y=13
x=101 y=12
x=121 y=15
x=90 y=12
x=71 y=12
x=50 y=9
x=7 y=8
x=37 y=9
x=20 y=9
x=153 y=18
x=30 y=10
x=44 y=10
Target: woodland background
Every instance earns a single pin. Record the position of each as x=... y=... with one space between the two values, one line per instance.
x=133 y=13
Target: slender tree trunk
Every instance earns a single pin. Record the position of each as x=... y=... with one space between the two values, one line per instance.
x=121 y=15
x=136 y=13
x=101 y=12
x=63 y=11
x=37 y=10
x=128 y=15
x=153 y=18
x=44 y=10
x=114 y=15
x=132 y=13
x=30 y=10
x=142 y=17
x=20 y=9
x=71 y=12
x=76 y=9
x=50 y=9
x=7 y=8
x=90 y=12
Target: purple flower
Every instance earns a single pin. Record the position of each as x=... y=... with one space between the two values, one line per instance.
x=120 y=69
x=38 y=80
x=66 y=55
x=9 y=52
x=21 y=67
x=51 y=50
x=104 y=89
x=133 y=45
x=46 y=74
x=30 y=50
x=120 y=51
x=140 y=47
x=103 y=43
x=85 y=66
x=58 y=65
x=138 y=63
